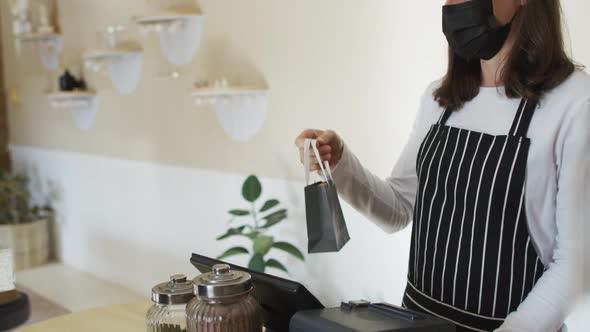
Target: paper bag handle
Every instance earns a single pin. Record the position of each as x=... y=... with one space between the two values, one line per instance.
x=307 y=161
x=329 y=171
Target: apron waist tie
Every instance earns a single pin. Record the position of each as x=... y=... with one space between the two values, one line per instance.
x=418 y=301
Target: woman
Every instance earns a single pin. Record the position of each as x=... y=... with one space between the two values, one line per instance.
x=495 y=175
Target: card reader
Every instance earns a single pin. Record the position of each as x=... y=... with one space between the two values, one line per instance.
x=363 y=316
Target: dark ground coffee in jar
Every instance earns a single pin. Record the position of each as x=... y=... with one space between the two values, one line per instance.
x=223 y=302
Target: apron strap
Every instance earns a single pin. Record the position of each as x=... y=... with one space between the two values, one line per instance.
x=444 y=116
x=523 y=118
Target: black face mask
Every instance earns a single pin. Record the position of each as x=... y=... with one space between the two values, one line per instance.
x=472 y=30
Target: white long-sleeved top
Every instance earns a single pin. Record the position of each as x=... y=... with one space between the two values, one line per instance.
x=557 y=187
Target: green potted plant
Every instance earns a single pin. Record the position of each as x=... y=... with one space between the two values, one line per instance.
x=23 y=226
x=261 y=218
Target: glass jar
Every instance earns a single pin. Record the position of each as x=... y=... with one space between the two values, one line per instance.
x=168 y=314
x=223 y=302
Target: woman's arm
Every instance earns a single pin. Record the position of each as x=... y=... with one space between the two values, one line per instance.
x=556 y=292
x=388 y=203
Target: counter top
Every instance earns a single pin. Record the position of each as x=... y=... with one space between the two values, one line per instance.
x=127 y=318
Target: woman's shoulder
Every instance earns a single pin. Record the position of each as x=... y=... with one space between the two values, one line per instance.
x=430 y=110
x=574 y=90
x=431 y=88
x=428 y=100
x=568 y=103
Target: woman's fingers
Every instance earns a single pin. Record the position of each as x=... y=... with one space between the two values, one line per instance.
x=327 y=142
x=324 y=149
x=325 y=154
x=326 y=137
x=325 y=157
x=315 y=166
x=307 y=134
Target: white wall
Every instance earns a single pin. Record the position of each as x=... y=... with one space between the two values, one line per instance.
x=136 y=223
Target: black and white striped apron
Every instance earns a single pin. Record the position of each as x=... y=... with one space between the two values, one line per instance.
x=472 y=260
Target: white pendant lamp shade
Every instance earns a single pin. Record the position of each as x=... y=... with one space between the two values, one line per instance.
x=241 y=121
x=241 y=111
x=179 y=33
x=50 y=50
x=83 y=106
x=124 y=66
x=85 y=115
x=180 y=44
x=125 y=72
x=50 y=46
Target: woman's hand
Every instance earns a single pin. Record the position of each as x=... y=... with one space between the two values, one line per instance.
x=329 y=144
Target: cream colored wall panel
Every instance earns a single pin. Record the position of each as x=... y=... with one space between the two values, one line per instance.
x=329 y=64
x=355 y=66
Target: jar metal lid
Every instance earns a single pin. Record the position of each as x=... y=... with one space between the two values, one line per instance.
x=178 y=290
x=222 y=282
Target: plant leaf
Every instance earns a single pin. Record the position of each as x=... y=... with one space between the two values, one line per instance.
x=233 y=251
x=269 y=224
x=262 y=244
x=275 y=218
x=257 y=263
x=269 y=205
x=251 y=189
x=239 y=213
x=276 y=264
x=289 y=248
x=252 y=235
x=232 y=232
x=276 y=214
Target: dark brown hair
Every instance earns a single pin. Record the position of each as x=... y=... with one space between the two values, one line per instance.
x=536 y=63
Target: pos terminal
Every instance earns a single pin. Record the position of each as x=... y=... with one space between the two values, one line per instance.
x=289 y=306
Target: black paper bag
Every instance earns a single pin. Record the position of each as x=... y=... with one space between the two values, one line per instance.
x=326 y=228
